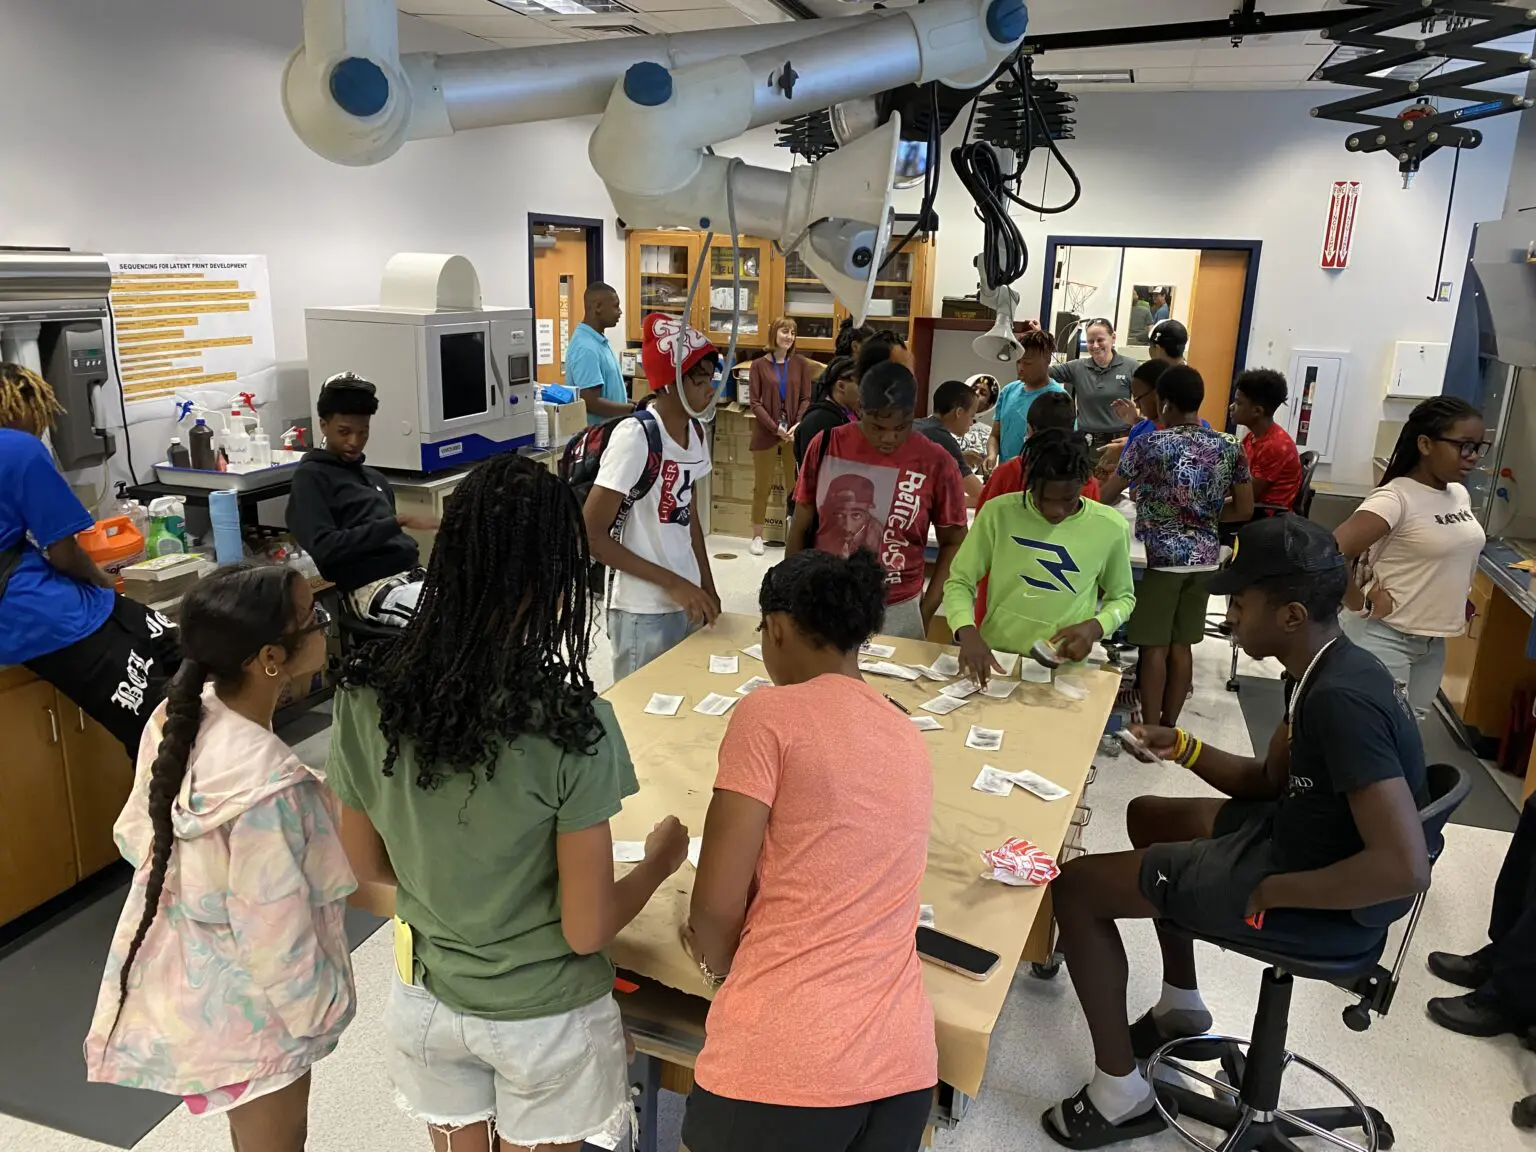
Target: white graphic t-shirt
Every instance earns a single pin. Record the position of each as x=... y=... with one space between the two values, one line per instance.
x=660 y=526
x=1427 y=559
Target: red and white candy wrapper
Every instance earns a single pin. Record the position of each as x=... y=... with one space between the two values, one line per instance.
x=1020 y=863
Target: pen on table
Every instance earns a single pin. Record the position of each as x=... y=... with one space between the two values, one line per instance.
x=898 y=704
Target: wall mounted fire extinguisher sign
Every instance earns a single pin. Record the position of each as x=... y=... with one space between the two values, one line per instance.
x=1339 y=236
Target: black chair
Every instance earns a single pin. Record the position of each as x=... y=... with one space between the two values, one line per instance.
x=1246 y=1105
x=353 y=629
x=1302 y=506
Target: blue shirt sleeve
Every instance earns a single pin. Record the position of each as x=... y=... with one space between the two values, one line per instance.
x=583 y=369
x=39 y=496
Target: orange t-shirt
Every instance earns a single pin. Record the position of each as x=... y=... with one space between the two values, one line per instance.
x=825 y=1006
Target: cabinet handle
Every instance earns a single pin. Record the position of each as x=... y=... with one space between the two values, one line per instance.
x=80 y=723
x=53 y=722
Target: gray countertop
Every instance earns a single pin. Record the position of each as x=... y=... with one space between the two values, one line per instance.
x=1495 y=563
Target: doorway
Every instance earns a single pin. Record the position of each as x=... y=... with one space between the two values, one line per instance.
x=565 y=254
x=1208 y=285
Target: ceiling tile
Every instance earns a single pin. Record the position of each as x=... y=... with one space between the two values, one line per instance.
x=436 y=8
x=675 y=5
x=1272 y=74
x=1257 y=56
x=508 y=24
x=702 y=19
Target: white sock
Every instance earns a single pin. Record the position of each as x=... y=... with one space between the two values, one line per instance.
x=1179 y=1000
x=1120 y=1098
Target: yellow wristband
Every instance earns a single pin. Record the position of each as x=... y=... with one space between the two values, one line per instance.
x=1196 y=746
x=1181 y=744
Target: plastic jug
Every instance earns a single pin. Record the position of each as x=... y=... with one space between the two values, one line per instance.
x=113 y=543
x=167 y=526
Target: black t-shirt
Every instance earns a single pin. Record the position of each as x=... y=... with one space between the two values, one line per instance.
x=1350 y=727
x=933 y=428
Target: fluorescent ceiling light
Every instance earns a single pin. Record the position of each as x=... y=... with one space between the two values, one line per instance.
x=564 y=7
x=1090 y=76
x=1413 y=70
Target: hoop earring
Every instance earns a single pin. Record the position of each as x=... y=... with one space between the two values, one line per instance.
x=271 y=671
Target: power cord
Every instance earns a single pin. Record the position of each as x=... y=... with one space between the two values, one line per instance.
x=122 y=394
x=931 y=171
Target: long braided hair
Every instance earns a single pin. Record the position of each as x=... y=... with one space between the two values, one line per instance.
x=1055 y=454
x=226 y=619
x=841 y=368
x=1432 y=418
x=27 y=402
x=498 y=646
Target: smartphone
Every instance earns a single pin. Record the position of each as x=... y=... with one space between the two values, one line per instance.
x=949 y=952
x=1135 y=747
x=1044 y=652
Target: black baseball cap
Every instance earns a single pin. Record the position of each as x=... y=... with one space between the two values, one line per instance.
x=1169 y=335
x=1274 y=548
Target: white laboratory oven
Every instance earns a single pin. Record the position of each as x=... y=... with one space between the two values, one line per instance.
x=454 y=386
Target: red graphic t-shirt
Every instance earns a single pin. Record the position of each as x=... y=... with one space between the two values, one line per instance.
x=865 y=499
x=1273 y=457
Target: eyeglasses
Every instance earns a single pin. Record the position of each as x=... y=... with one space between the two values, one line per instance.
x=1469 y=449
x=319 y=621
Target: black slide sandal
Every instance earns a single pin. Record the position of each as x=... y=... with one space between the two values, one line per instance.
x=1147 y=1038
x=1087 y=1127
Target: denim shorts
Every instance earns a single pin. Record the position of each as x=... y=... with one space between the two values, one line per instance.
x=639 y=637
x=551 y=1080
x=1416 y=662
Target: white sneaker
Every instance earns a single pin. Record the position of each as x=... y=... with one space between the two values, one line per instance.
x=757 y=545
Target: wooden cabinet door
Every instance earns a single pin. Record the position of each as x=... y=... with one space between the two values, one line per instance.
x=661 y=265
x=100 y=777
x=1461 y=651
x=759 y=304
x=37 y=846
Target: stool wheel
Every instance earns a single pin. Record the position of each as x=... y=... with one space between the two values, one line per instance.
x=1357 y=1017
x=1385 y=1137
x=1524 y=1114
x=1047 y=971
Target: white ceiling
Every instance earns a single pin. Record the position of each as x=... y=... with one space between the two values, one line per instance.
x=1272 y=62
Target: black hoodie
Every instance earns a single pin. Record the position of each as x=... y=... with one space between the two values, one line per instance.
x=822 y=416
x=344 y=516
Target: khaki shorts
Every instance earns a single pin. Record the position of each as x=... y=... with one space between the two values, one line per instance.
x=551 y=1080
x=1170 y=609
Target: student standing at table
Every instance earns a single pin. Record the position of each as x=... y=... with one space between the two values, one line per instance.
x=1323 y=823
x=875 y=479
x=479 y=771
x=1010 y=422
x=1415 y=542
x=780 y=386
x=591 y=367
x=954 y=411
x=1180 y=476
x=1046 y=557
x=663 y=587
x=806 y=900
x=835 y=402
x=59 y=614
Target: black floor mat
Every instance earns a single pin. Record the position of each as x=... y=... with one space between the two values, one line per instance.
x=48 y=984
x=1486 y=807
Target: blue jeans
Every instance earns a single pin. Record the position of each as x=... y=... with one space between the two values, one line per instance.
x=1416 y=662
x=640 y=637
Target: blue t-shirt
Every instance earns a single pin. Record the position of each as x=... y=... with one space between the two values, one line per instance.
x=590 y=363
x=1012 y=415
x=42 y=610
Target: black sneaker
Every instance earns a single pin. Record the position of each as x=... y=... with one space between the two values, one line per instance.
x=1463 y=971
x=1472 y=1015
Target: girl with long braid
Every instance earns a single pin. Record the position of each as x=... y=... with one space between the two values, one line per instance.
x=1414 y=543
x=229 y=975
x=479 y=771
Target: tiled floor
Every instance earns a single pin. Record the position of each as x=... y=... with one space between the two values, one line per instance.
x=1441 y=1092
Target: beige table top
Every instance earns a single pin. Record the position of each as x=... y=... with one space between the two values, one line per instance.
x=675 y=758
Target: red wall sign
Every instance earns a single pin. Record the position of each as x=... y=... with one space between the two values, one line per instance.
x=1339 y=236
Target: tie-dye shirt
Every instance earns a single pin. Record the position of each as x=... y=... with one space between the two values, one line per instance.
x=1180 y=478
x=245 y=972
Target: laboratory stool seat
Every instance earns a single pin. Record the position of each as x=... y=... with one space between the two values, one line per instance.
x=1244 y=1101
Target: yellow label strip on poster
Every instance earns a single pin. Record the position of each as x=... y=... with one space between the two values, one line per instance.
x=190 y=296
x=165 y=373
x=158 y=276
x=193 y=345
x=164 y=322
x=169 y=387
x=163 y=284
x=131 y=358
x=133 y=310
x=130 y=339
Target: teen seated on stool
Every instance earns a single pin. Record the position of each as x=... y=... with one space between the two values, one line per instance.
x=59 y=614
x=1325 y=823
x=343 y=513
x=954 y=411
x=821 y=1037
x=1049 y=554
x=1180 y=476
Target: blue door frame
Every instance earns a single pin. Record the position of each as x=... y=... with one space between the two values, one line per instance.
x=1250 y=285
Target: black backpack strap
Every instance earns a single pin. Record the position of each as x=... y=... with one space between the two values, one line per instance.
x=649 y=474
x=824 y=443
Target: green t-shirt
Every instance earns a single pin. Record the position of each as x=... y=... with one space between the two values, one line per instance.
x=479 y=882
x=1043 y=577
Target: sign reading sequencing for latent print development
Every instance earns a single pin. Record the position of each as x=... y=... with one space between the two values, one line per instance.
x=188 y=323
x=1339 y=236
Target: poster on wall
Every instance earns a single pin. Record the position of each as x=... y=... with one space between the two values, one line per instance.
x=191 y=324
x=1339 y=236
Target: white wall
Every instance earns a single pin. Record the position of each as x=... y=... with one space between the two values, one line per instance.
x=157 y=126
x=1255 y=165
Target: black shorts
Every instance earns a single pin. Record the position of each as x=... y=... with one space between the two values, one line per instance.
x=117 y=675
x=1204 y=886
x=718 y=1124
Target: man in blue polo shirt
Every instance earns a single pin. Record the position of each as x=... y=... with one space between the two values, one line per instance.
x=58 y=613
x=591 y=368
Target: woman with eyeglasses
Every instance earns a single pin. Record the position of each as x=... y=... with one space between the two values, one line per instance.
x=1414 y=545
x=229 y=975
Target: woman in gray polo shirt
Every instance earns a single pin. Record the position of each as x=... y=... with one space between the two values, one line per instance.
x=1097 y=382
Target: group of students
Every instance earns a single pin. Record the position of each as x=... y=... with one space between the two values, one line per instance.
x=474 y=767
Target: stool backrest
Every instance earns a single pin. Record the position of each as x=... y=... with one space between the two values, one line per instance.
x=1309 y=462
x=1447 y=786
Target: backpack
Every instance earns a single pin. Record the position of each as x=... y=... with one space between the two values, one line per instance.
x=824 y=442
x=582 y=460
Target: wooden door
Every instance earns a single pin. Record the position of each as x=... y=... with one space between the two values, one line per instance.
x=100 y=778
x=661 y=265
x=559 y=281
x=37 y=848
x=1215 y=313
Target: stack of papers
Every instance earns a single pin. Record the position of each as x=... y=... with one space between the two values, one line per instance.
x=1000 y=783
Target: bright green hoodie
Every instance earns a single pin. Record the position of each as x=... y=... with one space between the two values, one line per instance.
x=1044 y=576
